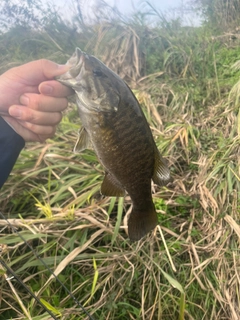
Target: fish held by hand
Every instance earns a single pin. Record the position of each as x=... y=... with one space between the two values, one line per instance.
x=114 y=125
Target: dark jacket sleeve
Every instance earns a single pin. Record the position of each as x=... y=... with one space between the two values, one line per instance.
x=11 y=145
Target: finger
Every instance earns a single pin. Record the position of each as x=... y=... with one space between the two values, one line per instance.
x=26 y=134
x=51 y=69
x=4 y=113
x=45 y=131
x=35 y=117
x=44 y=137
x=41 y=103
x=55 y=89
x=40 y=70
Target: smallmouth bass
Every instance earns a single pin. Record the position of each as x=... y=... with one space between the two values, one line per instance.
x=114 y=124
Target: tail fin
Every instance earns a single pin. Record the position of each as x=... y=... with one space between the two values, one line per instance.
x=140 y=223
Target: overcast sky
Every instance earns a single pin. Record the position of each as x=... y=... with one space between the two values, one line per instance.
x=124 y=6
x=127 y=7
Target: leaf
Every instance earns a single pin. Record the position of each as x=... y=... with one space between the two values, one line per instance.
x=16 y=239
x=173 y=281
x=95 y=277
x=50 y=307
x=119 y=219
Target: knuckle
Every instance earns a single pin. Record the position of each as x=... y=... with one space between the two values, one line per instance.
x=53 y=130
x=50 y=130
x=44 y=63
x=55 y=118
x=30 y=126
x=30 y=117
x=50 y=133
x=64 y=103
x=58 y=118
x=37 y=102
x=34 y=102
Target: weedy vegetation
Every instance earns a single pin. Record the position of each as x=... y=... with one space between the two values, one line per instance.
x=187 y=82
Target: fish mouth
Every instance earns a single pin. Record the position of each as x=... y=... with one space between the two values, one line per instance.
x=76 y=63
x=76 y=59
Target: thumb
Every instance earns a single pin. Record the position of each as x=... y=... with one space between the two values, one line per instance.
x=38 y=71
x=51 y=69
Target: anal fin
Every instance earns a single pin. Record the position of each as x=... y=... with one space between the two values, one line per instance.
x=111 y=187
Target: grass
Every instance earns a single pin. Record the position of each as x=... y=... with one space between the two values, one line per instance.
x=188 y=267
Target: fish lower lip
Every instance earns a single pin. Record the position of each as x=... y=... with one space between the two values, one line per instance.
x=80 y=62
x=83 y=57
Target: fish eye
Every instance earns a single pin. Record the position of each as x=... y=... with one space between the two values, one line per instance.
x=98 y=73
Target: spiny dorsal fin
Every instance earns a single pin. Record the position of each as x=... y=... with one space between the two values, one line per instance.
x=161 y=174
x=111 y=187
x=83 y=141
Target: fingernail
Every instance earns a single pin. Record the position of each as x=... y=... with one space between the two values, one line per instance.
x=15 y=112
x=63 y=66
x=24 y=100
x=46 y=89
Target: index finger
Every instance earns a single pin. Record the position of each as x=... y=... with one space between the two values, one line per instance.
x=54 y=88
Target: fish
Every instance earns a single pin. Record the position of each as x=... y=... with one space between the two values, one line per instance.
x=114 y=125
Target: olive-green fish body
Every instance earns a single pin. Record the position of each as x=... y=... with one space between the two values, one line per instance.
x=114 y=124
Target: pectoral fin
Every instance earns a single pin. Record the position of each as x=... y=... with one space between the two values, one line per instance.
x=111 y=187
x=83 y=141
x=161 y=174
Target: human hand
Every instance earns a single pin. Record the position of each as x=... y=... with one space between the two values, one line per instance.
x=31 y=100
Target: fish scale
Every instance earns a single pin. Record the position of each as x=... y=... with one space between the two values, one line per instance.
x=124 y=131
x=113 y=122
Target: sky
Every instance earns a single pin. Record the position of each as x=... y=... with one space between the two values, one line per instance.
x=127 y=5
x=124 y=6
